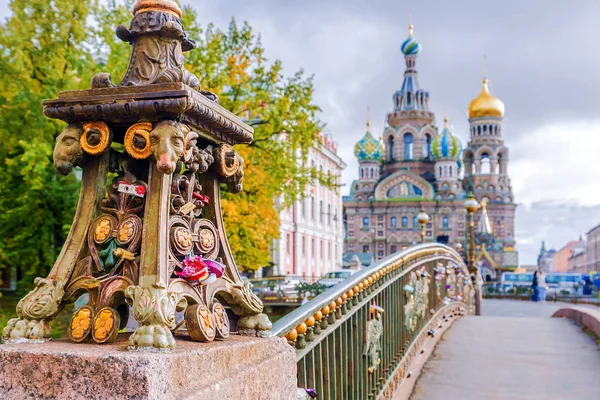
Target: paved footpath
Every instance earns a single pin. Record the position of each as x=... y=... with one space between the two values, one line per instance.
x=513 y=351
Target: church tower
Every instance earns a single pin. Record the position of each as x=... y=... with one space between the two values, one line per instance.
x=445 y=150
x=486 y=168
x=368 y=151
x=410 y=127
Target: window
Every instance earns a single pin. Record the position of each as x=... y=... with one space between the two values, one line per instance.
x=426 y=145
x=312 y=208
x=312 y=247
x=380 y=218
x=329 y=214
x=451 y=170
x=380 y=253
x=322 y=254
x=404 y=222
x=393 y=222
x=371 y=172
x=329 y=250
x=321 y=211
x=303 y=246
x=408 y=146
x=366 y=248
x=366 y=221
x=303 y=205
x=362 y=174
x=288 y=243
x=485 y=163
x=391 y=148
x=440 y=169
x=415 y=222
x=393 y=249
x=379 y=233
x=445 y=222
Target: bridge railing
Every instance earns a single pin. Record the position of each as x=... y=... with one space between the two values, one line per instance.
x=357 y=339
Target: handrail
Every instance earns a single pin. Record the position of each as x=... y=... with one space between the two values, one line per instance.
x=300 y=314
x=358 y=339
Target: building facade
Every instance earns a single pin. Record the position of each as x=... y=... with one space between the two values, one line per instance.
x=311 y=231
x=578 y=261
x=592 y=249
x=560 y=259
x=416 y=165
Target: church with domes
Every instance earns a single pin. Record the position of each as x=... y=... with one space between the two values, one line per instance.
x=417 y=165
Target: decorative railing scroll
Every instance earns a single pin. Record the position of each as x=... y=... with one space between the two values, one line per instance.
x=358 y=339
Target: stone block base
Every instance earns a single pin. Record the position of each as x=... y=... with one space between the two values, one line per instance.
x=237 y=368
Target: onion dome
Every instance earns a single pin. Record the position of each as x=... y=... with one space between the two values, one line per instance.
x=486 y=105
x=368 y=148
x=410 y=46
x=445 y=145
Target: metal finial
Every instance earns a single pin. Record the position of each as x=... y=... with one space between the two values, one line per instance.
x=485 y=68
x=368 y=118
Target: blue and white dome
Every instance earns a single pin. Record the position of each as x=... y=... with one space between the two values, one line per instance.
x=445 y=145
x=410 y=46
x=368 y=148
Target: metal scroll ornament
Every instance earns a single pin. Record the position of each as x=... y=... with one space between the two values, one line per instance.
x=374 y=334
x=148 y=238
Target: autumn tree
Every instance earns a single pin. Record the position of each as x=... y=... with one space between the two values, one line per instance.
x=42 y=51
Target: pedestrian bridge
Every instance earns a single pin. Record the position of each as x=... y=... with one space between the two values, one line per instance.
x=374 y=336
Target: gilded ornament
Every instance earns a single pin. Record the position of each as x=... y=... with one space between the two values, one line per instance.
x=106 y=325
x=227 y=160
x=81 y=323
x=126 y=231
x=207 y=240
x=96 y=138
x=137 y=140
x=103 y=230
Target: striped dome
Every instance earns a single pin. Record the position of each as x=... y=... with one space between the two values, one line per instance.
x=445 y=145
x=368 y=148
x=410 y=46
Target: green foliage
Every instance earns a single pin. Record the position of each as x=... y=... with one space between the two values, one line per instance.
x=42 y=51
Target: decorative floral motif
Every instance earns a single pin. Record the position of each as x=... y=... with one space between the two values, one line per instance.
x=80 y=324
x=103 y=324
x=102 y=230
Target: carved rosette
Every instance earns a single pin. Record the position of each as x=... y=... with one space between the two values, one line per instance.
x=154 y=308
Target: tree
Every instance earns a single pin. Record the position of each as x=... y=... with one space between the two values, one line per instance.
x=42 y=51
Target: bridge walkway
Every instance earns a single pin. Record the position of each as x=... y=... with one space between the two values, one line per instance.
x=513 y=351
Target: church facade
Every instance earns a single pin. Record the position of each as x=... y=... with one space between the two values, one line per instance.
x=417 y=165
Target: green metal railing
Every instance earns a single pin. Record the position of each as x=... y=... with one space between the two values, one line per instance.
x=357 y=339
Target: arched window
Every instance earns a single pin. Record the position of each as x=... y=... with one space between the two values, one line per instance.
x=391 y=148
x=445 y=222
x=408 y=146
x=484 y=129
x=366 y=248
x=485 y=163
x=479 y=130
x=362 y=173
x=371 y=172
x=440 y=167
x=404 y=222
x=426 y=145
x=450 y=170
x=408 y=98
x=393 y=222
x=366 y=221
x=393 y=249
x=415 y=222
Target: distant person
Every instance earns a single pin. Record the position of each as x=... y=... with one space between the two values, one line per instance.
x=535 y=287
x=542 y=286
x=588 y=286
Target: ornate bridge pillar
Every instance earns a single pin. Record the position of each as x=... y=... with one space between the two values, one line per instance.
x=148 y=230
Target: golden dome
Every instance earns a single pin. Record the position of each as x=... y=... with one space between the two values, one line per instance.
x=486 y=105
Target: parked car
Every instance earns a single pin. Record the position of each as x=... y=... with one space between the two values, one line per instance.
x=283 y=288
x=334 y=277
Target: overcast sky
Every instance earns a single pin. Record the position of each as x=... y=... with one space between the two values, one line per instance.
x=543 y=62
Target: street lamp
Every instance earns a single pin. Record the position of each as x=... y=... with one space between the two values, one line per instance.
x=422 y=218
x=471 y=205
